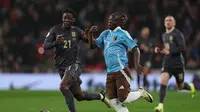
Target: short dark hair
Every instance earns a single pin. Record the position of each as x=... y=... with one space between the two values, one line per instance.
x=68 y=10
x=122 y=17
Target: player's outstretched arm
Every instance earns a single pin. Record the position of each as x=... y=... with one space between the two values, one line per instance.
x=138 y=67
x=91 y=36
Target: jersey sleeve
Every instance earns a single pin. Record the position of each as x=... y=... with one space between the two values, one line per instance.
x=128 y=41
x=99 y=41
x=50 y=40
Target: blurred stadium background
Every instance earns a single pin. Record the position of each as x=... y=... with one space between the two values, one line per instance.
x=24 y=65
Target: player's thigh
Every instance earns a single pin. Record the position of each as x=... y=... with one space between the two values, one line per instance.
x=76 y=90
x=75 y=71
x=123 y=84
x=165 y=75
x=72 y=74
x=111 y=90
x=179 y=76
x=66 y=82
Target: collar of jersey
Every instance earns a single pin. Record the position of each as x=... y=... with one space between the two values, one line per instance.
x=117 y=28
x=65 y=28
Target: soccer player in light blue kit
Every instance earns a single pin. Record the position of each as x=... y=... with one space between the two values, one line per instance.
x=115 y=41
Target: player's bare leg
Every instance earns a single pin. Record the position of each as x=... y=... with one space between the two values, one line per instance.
x=117 y=103
x=164 y=81
x=82 y=96
x=138 y=80
x=186 y=86
x=65 y=84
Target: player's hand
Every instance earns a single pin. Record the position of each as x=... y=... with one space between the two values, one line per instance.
x=157 y=50
x=165 y=51
x=60 y=39
x=86 y=33
x=140 y=69
x=93 y=31
x=87 y=30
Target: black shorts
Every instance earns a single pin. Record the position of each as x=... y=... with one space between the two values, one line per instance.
x=73 y=70
x=178 y=73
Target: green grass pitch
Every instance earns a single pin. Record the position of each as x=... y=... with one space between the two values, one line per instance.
x=34 y=101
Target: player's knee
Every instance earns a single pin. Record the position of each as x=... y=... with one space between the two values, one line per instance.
x=180 y=86
x=79 y=97
x=64 y=86
x=163 y=82
x=164 y=78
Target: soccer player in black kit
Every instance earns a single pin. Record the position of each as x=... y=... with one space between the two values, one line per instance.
x=64 y=39
x=174 y=60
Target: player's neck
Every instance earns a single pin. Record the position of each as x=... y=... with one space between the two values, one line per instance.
x=66 y=28
x=116 y=28
x=170 y=30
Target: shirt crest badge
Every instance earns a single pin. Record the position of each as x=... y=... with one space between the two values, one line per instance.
x=171 y=38
x=73 y=35
x=115 y=38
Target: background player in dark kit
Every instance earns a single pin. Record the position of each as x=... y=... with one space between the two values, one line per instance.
x=174 y=60
x=145 y=43
x=64 y=39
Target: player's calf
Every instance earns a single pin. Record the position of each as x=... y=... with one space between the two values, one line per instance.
x=87 y=96
x=79 y=97
x=69 y=99
x=183 y=86
x=92 y=96
x=64 y=88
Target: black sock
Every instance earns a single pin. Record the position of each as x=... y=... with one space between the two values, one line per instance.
x=138 y=80
x=186 y=86
x=145 y=81
x=91 y=96
x=69 y=100
x=162 y=93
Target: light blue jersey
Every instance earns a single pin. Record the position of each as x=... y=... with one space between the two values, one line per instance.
x=115 y=44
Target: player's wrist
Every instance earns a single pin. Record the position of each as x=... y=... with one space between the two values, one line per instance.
x=137 y=65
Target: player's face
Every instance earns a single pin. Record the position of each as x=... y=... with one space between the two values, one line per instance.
x=169 y=22
x=112 y=23
x=68 y=19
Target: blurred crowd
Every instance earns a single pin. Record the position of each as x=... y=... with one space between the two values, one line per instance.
x=25 y=23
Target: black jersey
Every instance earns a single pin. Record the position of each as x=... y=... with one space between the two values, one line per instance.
x=67 y=53
x=175 y=43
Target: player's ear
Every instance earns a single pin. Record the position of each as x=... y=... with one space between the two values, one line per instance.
x=174 y=22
